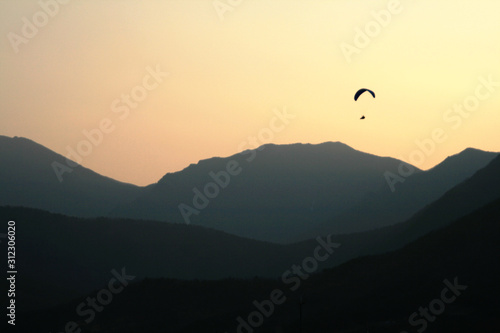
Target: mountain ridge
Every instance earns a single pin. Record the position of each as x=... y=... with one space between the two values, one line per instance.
x=27 y=178
x=282 y=193
x=380 y=292
x=190 y=251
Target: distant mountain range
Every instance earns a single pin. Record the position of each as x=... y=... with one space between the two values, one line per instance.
x=280 y=192
x=416 y=192
x=294 y=192
x=64 y=257
x=375 y=293
x=276 y=193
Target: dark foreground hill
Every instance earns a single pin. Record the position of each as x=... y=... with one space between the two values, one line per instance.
x=64 y=257
x=446 y=281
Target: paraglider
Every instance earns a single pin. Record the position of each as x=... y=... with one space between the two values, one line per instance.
x=359 y=93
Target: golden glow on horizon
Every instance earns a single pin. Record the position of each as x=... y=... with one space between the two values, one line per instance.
x=227 y=76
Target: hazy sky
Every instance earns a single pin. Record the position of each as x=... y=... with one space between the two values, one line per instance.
x=232 y=64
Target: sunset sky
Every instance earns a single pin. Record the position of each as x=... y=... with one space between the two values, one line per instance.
x=230 y=69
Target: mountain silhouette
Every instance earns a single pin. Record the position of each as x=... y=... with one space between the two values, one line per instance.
x=64 y=257
x=480 y=189
x=282 y=193
x=87 y=249
x=290 y=193
x=384 y=207
x=27 y=178
x=376 y=292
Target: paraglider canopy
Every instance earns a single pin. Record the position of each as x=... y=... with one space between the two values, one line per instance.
x=361 y=91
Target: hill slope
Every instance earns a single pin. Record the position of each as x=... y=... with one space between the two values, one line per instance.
x=27 y=178
x=384 y=207
x=158 y=249
x=287 y=193
x=379 y=293
x=282 y=193
x=63 y=257
x=480 y=189
x=279 y=192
